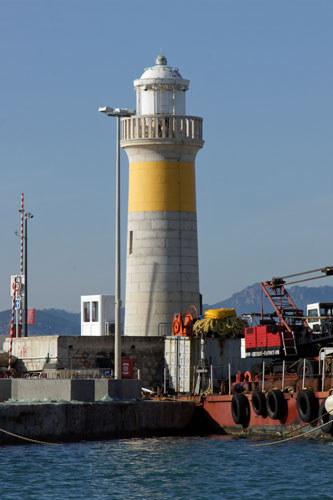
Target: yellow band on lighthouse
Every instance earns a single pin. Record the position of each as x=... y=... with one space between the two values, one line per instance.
x=161 y=186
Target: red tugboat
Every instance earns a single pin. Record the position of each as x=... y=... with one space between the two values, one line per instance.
x=286 y=391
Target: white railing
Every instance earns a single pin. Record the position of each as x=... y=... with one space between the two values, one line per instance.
x=183 y=128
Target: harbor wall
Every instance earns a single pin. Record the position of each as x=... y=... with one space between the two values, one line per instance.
x=60 y=422
x=48 y=352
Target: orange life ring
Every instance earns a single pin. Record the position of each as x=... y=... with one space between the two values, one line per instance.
x=177 y=325
x=248 y=376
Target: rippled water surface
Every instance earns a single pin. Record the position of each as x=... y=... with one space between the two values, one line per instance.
x=212 y=467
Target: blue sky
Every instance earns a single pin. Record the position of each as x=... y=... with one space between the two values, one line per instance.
x=261 y=77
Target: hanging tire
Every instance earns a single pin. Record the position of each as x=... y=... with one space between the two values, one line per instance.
x=325 y=418
x=276 y=404
x=240 y=408
x=259 y=403
x=307 y=405
x=311 y=367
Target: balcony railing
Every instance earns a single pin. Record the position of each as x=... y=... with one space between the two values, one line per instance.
x=181 y=128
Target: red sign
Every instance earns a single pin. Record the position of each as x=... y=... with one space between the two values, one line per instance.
x=31 y=316
x=126 y=368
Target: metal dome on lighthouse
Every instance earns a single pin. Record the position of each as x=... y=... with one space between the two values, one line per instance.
x=161 y=89
x=161 y=141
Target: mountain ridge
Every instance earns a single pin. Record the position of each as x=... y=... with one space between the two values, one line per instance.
x=61 y=322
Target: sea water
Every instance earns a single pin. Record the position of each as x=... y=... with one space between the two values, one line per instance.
x=213 y=467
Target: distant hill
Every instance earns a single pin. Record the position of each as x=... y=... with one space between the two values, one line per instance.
x=61 y=322
x=48 y=322
x=248 y=300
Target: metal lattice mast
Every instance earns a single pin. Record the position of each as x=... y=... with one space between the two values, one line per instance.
x=22 y=240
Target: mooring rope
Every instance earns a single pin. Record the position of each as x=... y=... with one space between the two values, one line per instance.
x=290 y=438
x=299 y=427
x=27 y=439
x=295 y=430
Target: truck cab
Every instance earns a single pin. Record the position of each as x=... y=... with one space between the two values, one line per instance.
x=318 y=313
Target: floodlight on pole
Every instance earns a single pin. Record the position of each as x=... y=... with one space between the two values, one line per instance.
x=118 y=113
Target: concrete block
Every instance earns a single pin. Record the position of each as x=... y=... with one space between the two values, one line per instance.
x=153 y=243
x=189 y=252
x=146 y=225
x=189 y=235
x=190 y=277
x=120 y=389
x=188 y=287
x=174 y=286
x=132 y=287
x=145 y=287
x=170 y=234
x=188 y=225
x=131 y=297
x=187 y=268
x=153 y=215
x=69 y=390
x=171 y=215
x=136 y=216
x=165 y=298
x=191 y=298
x=142 y=235
x=82 y=390
x=135 y=225
x=144 y=252
x=5 y=389
x=170 y=251
x=174 y=243
x=160 y=224
x=135 y=245
x=191 y=243
x=190 y=261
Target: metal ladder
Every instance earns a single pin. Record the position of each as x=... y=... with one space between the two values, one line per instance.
x=289 y=343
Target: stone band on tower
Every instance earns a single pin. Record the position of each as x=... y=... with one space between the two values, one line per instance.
x=161 y=142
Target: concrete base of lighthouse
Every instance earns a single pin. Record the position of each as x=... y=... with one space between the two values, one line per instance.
x=162 y=270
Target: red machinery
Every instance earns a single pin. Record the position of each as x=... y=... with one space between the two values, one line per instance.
x=285 y=333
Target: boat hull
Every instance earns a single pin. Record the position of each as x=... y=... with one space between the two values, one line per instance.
x=216 y=414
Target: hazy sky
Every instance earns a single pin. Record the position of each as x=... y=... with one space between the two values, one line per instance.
x=261 y=77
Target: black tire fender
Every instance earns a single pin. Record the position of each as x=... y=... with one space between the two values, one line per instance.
x=311 y=367
x=325 y=418
x=259 y=403
x=276 y=404
x=240 y=408
x=307 y=405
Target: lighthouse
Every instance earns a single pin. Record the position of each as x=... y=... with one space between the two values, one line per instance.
x=161 y=142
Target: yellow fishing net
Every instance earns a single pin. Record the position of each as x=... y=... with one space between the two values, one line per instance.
x=224 y=322
x=220 y=313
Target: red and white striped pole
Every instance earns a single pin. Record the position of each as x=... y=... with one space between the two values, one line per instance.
x=11 y=331
x=22 y=241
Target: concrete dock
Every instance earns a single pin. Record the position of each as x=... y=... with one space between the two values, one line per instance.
x=76 y=421
x=56 y=411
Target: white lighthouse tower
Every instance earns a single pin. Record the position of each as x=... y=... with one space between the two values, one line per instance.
x=161 y=142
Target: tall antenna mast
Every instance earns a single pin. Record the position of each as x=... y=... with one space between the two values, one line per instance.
x=22 y=240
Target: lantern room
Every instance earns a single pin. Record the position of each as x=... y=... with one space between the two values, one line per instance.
x=161 y=90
